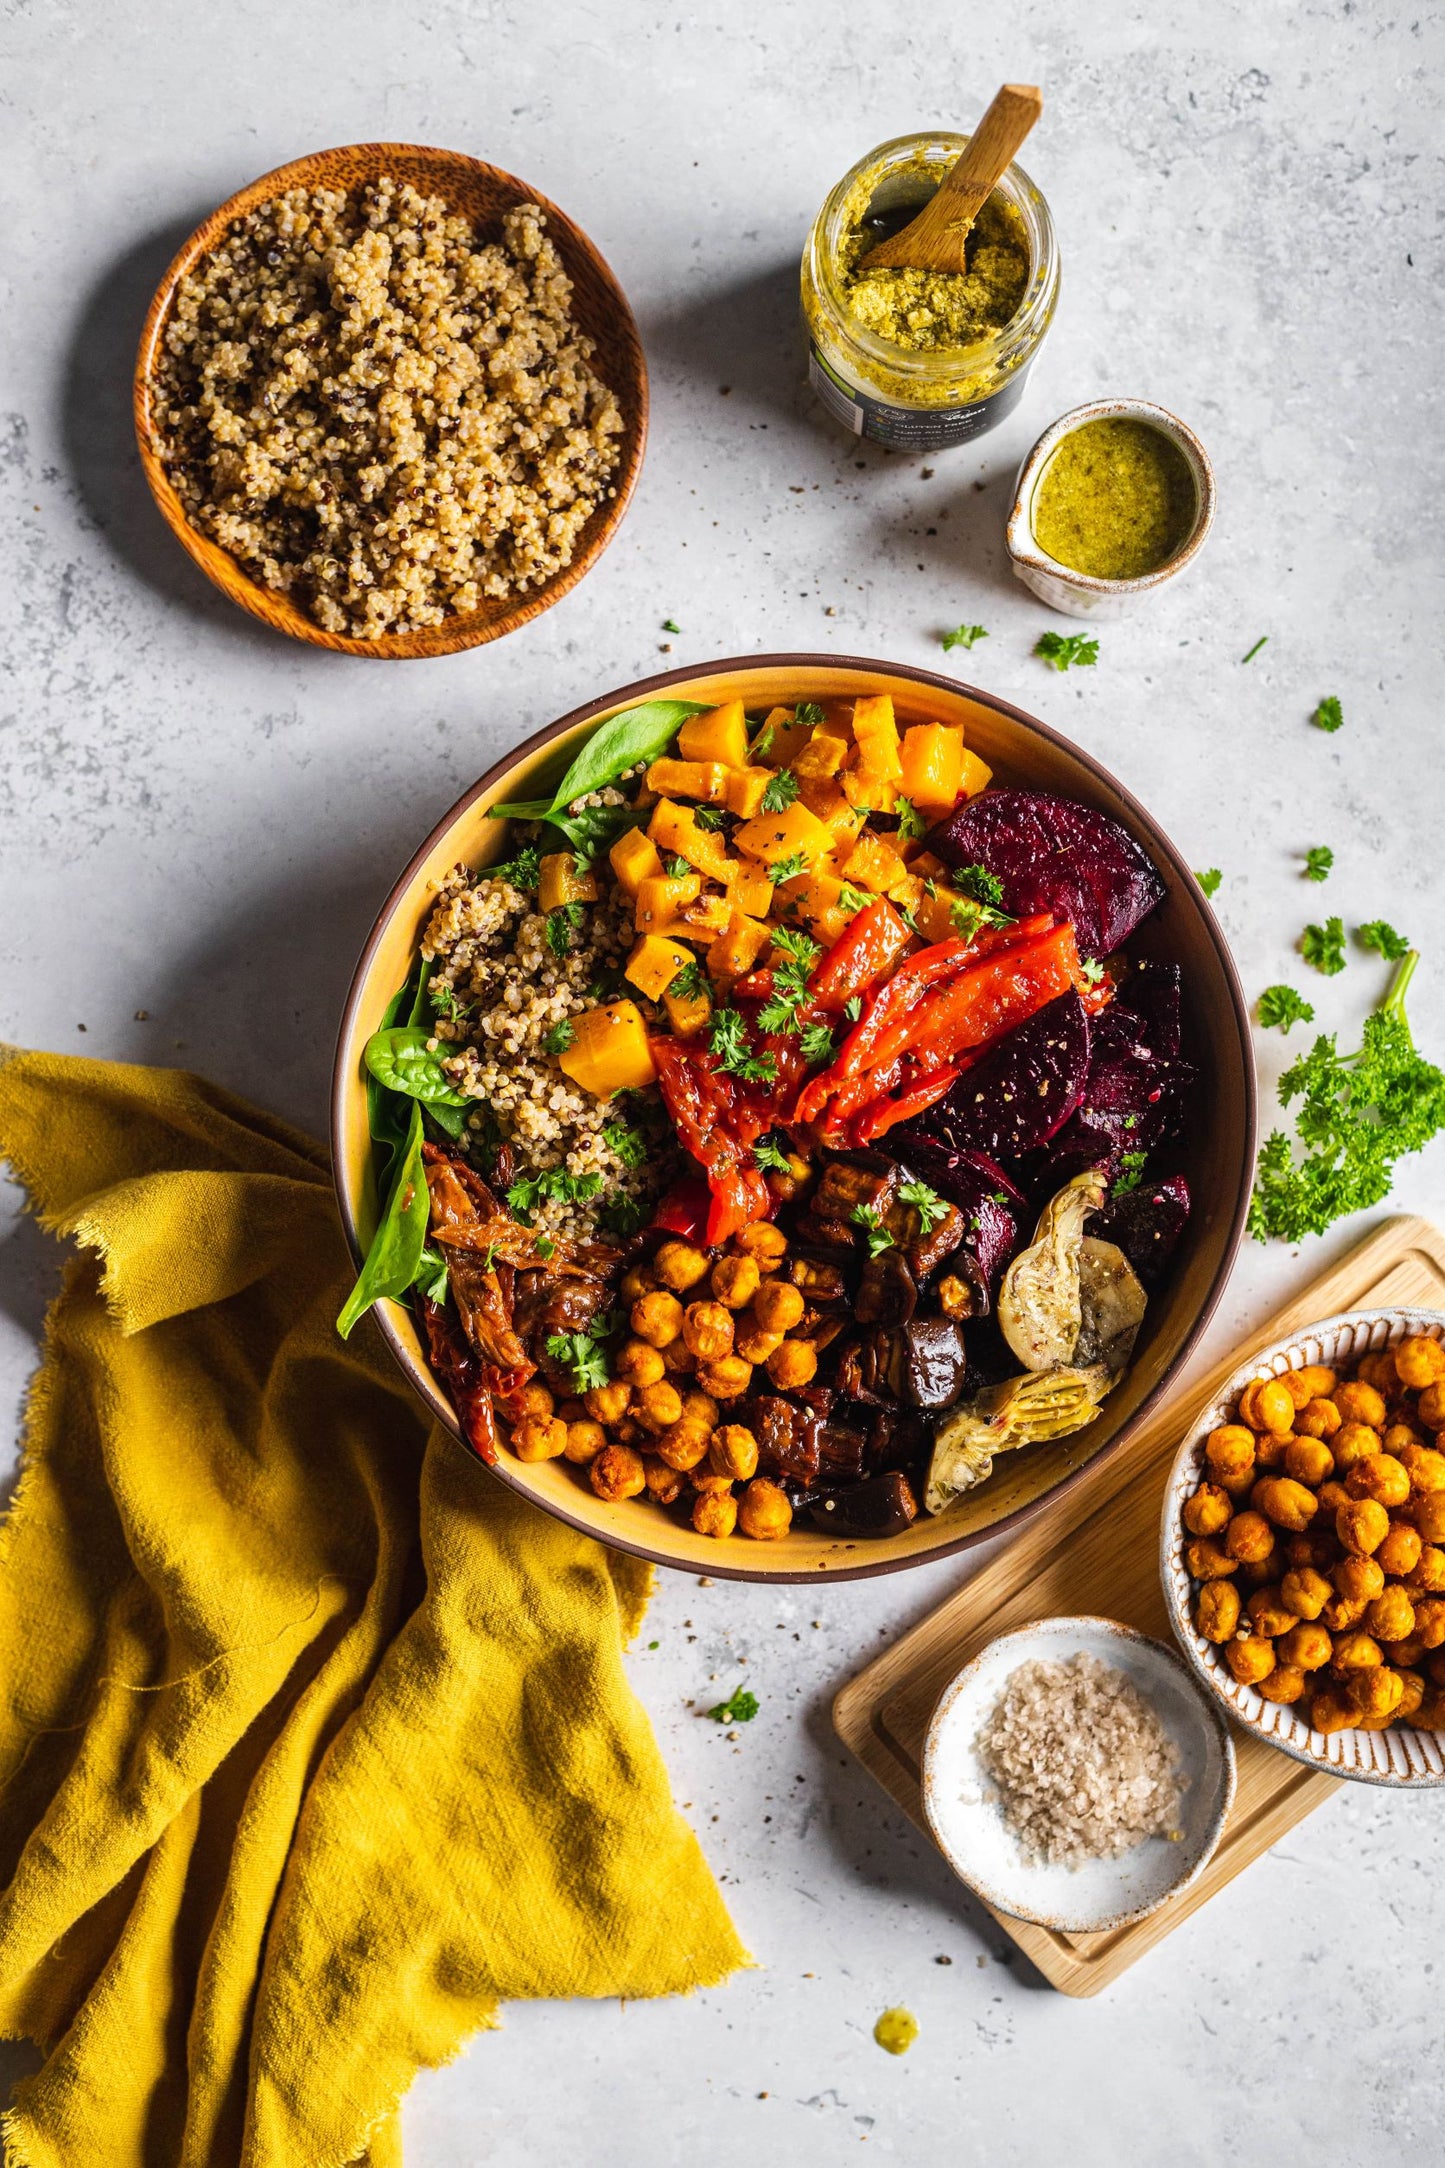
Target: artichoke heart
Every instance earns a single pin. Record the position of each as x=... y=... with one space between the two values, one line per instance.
x=1038 y=1303
x=1112 y=1303
x=1022 y=1411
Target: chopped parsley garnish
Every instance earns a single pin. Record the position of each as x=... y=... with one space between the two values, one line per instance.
x=560 y=1037
x=910 y=821
x=796 y=953
x=1091 y=971
x=443 y=999
x=670 y=624
x=562 y=922
x=809 y=714
x=739 y=1708
x=781 y=792
x=768 y=1152
x=1318 y=860
x=523 y=871
x=628 y=1144
x=546 y=1247
x=965 y=636
x=1378 y=934
x=1209 y=880
x=817 y=1044
x=1061 y=650
x=1281 y=1005
x=926 y=1202
x=688 y=982
x=1263 y=641
x=978 y=882
x=1324 y=946
x=622 y=1215
x=579 y=1353
x=1130 y=1175
x=875 y=1234
x=711 y=817
x=762 y=744
x=555 y=1182
x=1329 y=714
x=431 y=1276
x=853 y=1008
x=676 y=869
x=1359 y=1113
x=788 y=869
x=729 y=1042
x=853 y=900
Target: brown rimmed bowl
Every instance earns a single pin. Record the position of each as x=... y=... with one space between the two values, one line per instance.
x=1218 y=1155
x=482 y=193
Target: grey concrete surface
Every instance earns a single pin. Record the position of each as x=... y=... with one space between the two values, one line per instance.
x=199 y=820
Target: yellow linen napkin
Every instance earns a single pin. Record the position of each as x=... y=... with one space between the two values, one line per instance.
x=315 y=1740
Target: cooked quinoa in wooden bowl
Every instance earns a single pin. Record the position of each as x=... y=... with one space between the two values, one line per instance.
x=391 y=400
x=791 y=1117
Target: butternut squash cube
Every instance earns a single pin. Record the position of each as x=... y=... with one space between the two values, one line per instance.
x=752 y=894
x=674 y=829
x=773 y=836
x=660 y=899
x=932 y=757
x=711 y=914
x=737 y=950
x=561 y=881
x=654 y=964
x=874 y=864
x=633 y=858
x=977 y=774
x=907 y=892
x=833 y=810
x=870 y=793
x=721 y=734
x=688 y=1014
x=933 y=914
x=876 y=736
x=821 y=757
x=817 y=899
x=745 y=790
x=779 y=742
x=689 y=779
x=609 y=1051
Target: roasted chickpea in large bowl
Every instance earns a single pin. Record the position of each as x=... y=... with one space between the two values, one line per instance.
x=1303 y=1546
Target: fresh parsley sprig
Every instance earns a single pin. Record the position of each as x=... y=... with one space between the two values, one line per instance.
x=582 y=1354
x=1329 y=714
x=926 y=1202
x=728 y=1040
x=1318 y=861
x=739 y=1708
x=964 y=636
x=1324 y=946
x=875 y=1234
x=1378 y=934
x=1209 y=880
x=781 y=792
x=1282 y=1006
x=788 y=869
x=1063 y=650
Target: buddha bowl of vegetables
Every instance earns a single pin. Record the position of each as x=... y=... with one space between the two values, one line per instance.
x=928 y=1080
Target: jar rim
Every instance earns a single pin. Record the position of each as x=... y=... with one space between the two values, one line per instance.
x=1000 y=347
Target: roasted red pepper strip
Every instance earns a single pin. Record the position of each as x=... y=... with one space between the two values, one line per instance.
x=701 y=1101
x=879 y=1117
x=989 y=997
x=861 y=954
x=683 y=1211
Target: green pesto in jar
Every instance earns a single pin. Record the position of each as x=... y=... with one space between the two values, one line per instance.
x=925 y=311
x=1116 y=502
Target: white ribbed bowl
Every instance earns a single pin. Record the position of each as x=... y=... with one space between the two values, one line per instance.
x=1407 y=1759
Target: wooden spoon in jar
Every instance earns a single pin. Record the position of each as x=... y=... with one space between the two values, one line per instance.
x=935 y=240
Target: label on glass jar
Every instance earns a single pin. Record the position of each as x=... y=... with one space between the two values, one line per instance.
x=910 y=429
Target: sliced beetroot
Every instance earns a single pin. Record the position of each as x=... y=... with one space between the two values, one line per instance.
x=987 y=1199
x=1052 y=854
x=1146 y=1224
x=1133 y=1096
x=1152 y=992
x=1025 y=1087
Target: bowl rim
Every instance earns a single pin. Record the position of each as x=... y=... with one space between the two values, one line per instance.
x=225 y=571
x=649 y=688
x=1171 y=1545
x=1211 y=1716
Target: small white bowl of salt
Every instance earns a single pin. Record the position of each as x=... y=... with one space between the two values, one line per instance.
x=1076 y=1775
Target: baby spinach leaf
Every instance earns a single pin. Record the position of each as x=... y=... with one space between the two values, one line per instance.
x=401 y=1060
x=395 y=1255
x=641 y=733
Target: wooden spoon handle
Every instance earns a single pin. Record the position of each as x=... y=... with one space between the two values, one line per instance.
x=935 y=240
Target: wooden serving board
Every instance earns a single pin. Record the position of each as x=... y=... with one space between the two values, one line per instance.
x=1096 y=1551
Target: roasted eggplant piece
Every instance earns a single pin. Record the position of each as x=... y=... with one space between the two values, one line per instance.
x=1014 y=1098
x=1022 y=1411
x=870 y=1369
x=935 y=1361
x=887 y=1292
x=883 y=1505
x=854 y=1179
x=1038 y=1303
x=1053 y=854
x=821 y=1281
x=1146 y=1224
x=789 y=1438
x=1111 y=1306
x=842 y=1452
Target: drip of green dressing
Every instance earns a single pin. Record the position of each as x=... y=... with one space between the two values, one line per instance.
x=1117 y=500
x=896 y=2030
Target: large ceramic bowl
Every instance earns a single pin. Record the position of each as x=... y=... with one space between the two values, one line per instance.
x=1402 y=1757
x=1218 y=1153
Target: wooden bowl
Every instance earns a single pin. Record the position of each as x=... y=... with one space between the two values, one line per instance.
x=1217 y=1156
x=599 y=305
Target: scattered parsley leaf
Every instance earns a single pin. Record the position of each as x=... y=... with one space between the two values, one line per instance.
x=978 y=882
x=769 y=1153
x=688 y=982
x=809 y=714
x=1324 y=946
x=562 y=922
x=1359 y=1113
x=630 y=1147
x=787 y=869
x=1318 y=860
x=431 y=1276
x=729 y=1042
x=781 y=792
x=739 y=1708
x=554 y=1182
x=1130 y=1175
x=1209 y=881
x=911 y=823
x=670 y=624
x=1329 y=714
x=1378 y=934
x=579 y=1353
x=854 y=900
x=926 y=1202
x=1263 y=641
x=1091 y=971
x=817 y=1045
x=710 y=817
x=443 y=999
x=523 y=871
x=546 y=1247
x=1061 y=650
x=876 y=1235
x=560 y=1037
x=676 y=869
x=853 y=1009
x=965 y=636
x=1281 y=1005
x=762 y=744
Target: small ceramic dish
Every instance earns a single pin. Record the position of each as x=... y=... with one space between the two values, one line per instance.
x=967 y=1819
x=1078 y=594
x=482 y=193
x=1402 y=1757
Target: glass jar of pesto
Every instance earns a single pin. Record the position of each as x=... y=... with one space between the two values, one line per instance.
x=918 y=360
